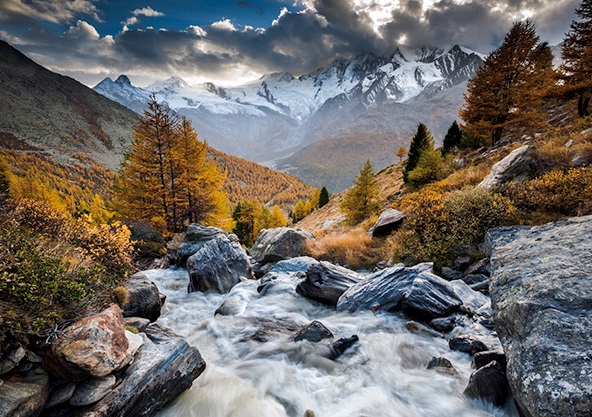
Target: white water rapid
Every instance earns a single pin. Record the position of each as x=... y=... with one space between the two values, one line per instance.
x=383 y=375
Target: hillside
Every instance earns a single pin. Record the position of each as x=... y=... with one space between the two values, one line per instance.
x=53 y=113
x=246 y=180
x=390 y=186
x=71 y=140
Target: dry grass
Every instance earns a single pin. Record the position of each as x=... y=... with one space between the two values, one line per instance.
x=352 y=248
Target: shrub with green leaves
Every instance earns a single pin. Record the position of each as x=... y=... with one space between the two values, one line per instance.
x=54 y=269
x=440 y=227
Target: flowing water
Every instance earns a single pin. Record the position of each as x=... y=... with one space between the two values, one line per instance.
x=383 y=375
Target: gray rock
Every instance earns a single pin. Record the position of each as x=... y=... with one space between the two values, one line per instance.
x=482 y=287
x=488 y=383
x=144 y=298
x=451 y=274
x=443 y=324
x=443 y=366
x=516 y=166
x=60 y=394
x=299 y=264
x=217 y=265
x=10 y=361
x=273 y=245
x=388 y=221
x=272 y=328
x=541 y=292
x=418 y=328
x=471 y=299
x=92 y=390
x=467 y=343
x=23 y=396
x=483 y=358
x=195 y=237
x=339 y=347
x=313 y=332
x=326 y=282
x=164 y=367
x=475 y=279
x=415 y=291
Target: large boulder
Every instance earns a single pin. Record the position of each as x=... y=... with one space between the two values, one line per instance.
x=94 y=346
x=388 y=221
x=326 y=282
x=415 y=290
x=541 y=293
x=273 y=245
x=196 y=237
x=143 y=298
x=163 y=368
x=516 y=166
x=23 y=396
x=218 y=265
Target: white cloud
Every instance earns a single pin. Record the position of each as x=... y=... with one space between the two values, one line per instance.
x=225 y=24
x=82 y=30
x=148 y=12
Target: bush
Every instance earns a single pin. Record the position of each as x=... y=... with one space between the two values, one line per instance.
x=556 y=193
x=54 y=269
x=430 y=167
x=441 y=226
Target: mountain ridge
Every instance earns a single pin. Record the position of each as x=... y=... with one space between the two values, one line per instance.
x=272 y=117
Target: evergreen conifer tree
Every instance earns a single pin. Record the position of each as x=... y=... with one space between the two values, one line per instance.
x=452 y=139
x=323 y=197
x=576 y=69
x=419 y=143
x=361 y=201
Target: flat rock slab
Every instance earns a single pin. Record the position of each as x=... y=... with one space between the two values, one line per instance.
x=541 y=292
x=415 y=291
x=388 y=221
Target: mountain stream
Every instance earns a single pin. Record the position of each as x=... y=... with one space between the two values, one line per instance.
x=383 y=375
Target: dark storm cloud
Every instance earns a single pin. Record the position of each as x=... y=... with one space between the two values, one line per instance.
x=296 y=42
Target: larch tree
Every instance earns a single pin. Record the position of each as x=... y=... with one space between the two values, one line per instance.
x=166 y=178
x=506 y=90
x=278 y=218
x=361 y=201
x=576 y=69
x=452 y=139
x=401 y=153
x=421 y=142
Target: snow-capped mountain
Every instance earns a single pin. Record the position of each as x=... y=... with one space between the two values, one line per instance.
x=274 y=116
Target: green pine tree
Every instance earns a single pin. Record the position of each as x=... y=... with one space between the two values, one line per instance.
x=452 y=139
x=323 y=197
x=421 y=142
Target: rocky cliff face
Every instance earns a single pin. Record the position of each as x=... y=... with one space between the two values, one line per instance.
x=541 y=293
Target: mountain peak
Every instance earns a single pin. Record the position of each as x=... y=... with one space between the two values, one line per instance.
x=123 y=80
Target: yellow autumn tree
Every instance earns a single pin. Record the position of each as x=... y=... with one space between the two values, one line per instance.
x=166 y=178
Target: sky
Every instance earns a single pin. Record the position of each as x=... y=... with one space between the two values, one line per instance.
x=230 y=42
